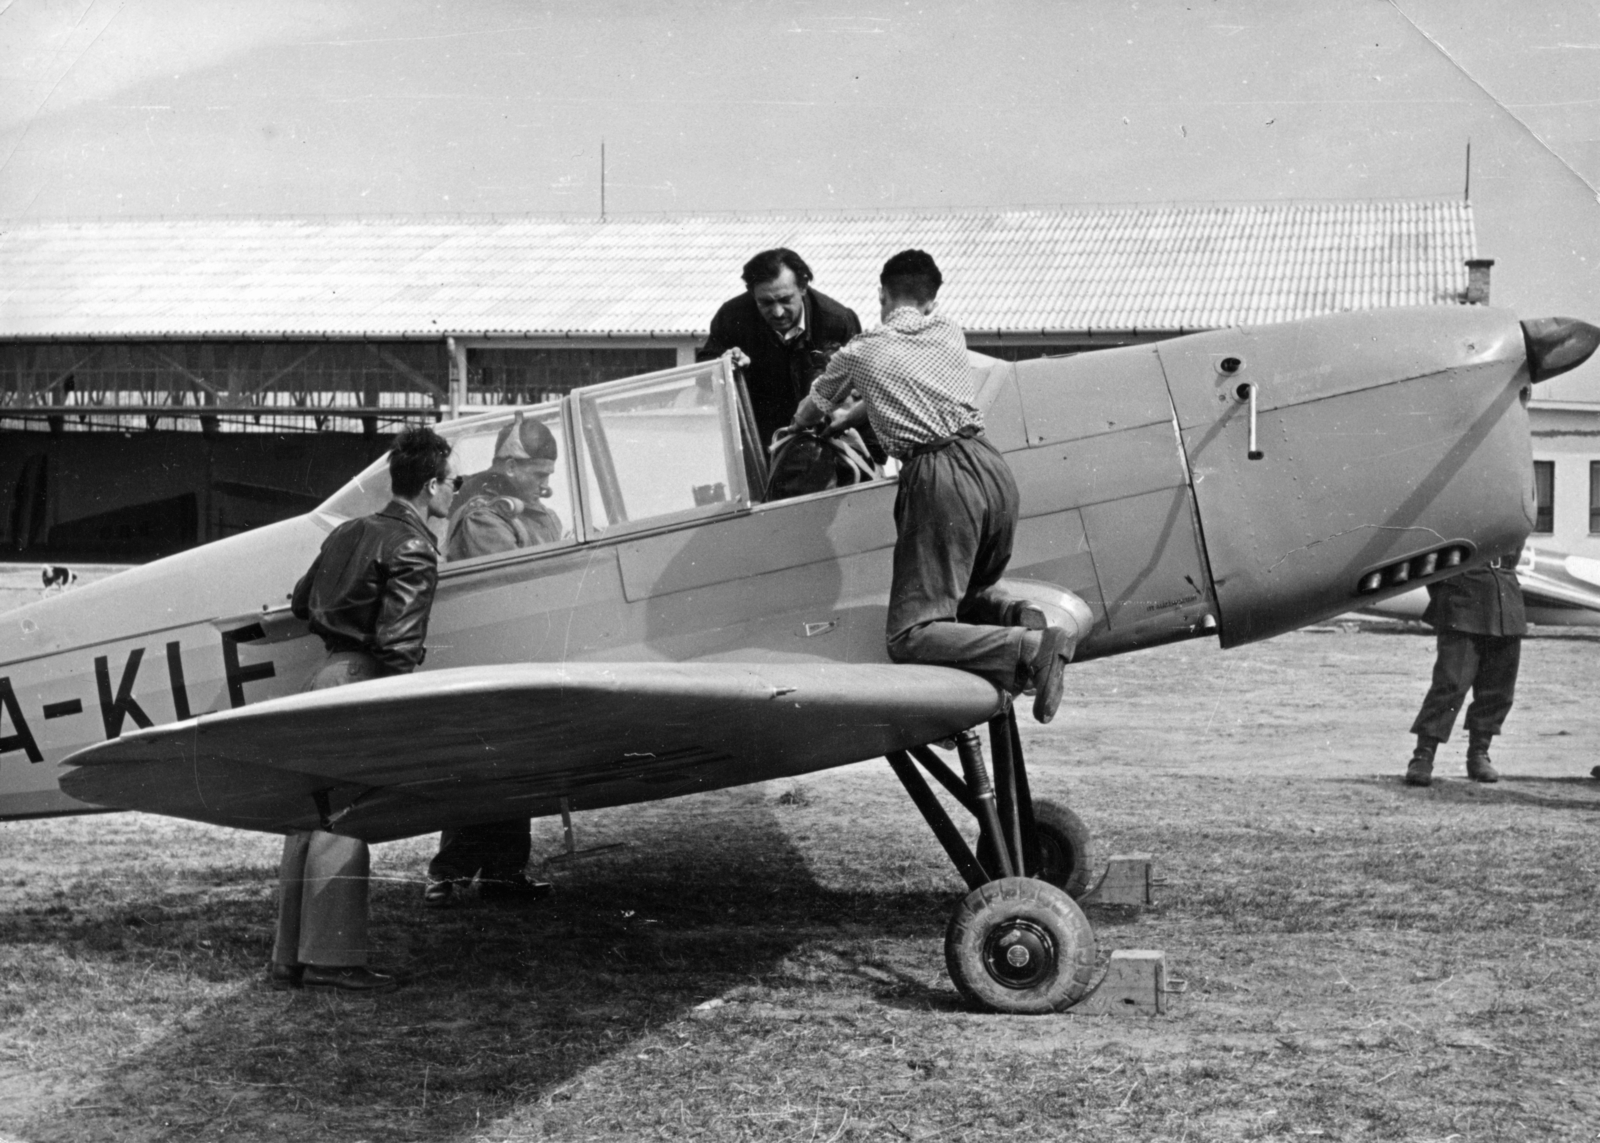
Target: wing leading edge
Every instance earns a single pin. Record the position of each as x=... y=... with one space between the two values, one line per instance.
x=412 y=754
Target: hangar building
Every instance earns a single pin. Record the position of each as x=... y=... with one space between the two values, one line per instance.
x=169 y=382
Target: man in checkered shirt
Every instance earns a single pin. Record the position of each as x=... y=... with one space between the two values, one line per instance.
x=956 y=510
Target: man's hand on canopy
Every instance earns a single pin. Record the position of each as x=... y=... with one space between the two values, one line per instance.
x=850 y=414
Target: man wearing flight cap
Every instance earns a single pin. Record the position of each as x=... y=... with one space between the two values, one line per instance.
x=497 y=510
x=502 y=507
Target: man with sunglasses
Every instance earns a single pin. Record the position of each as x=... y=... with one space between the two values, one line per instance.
x=368 y=594
x=498 y=510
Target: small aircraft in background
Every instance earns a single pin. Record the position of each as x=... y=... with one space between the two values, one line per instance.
x=1557 y=589
x=682 y=636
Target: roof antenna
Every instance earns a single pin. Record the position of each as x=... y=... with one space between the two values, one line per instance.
x=1466 y=191
x=602 y=178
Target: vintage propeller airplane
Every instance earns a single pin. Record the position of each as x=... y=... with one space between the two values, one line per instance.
x=683 y=636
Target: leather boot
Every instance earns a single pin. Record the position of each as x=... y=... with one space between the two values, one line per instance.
x=1051 y=652
x=1026 y=614
x=1478 y=766
x=1419 y=771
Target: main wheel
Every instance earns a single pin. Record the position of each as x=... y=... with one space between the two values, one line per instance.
x=1018 y=945
x=1063 y=857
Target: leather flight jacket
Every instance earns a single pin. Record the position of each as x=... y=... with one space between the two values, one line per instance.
x=371 y=587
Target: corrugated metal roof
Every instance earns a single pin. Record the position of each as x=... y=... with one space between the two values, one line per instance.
x=1158 y=268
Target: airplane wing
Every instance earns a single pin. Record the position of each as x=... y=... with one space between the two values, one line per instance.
x=1565 y=586
x=406 y=755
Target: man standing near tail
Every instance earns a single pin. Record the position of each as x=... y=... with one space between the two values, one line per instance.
x=956 y=510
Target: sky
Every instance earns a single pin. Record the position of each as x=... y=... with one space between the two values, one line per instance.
x=138 y=108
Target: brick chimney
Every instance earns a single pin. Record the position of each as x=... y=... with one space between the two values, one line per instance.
x=1478 y=281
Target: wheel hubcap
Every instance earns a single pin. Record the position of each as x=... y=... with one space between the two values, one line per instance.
x=1019 y=953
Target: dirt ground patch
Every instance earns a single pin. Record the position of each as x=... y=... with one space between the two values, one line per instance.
x=1364 y=961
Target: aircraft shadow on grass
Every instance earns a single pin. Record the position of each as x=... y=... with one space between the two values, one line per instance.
x=1464 y=792
x=502 y=1008
x=1507 y=792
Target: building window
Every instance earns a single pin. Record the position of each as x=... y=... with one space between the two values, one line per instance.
x=1594 y=497
x=1544 y=497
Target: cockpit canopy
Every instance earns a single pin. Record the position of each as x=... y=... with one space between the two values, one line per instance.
x=639 y=453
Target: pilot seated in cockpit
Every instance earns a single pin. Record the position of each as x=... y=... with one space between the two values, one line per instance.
x=502 y=507
x=497 y=510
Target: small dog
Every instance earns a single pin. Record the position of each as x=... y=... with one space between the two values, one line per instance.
x=57 y=578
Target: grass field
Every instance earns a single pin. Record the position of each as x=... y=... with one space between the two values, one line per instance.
x=1364 y=961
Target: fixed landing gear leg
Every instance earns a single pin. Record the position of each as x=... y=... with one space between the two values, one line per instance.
x=1015 y=944
x=1020 y=943
x=970 y=747
x=1016 y=836
x=943 y=828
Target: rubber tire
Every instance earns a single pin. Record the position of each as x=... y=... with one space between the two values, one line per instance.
x=1065 y=857
x=1041 y=906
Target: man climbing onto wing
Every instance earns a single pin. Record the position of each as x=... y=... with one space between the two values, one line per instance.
x=956 y=510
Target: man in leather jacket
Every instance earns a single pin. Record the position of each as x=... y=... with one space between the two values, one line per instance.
x=1480 y=621
x=368 y=594
x=498 y=510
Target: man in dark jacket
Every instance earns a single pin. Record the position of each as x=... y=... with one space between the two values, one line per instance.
x=784 y=331
x=498 y=510
x=368 y=594
x=1480 y=622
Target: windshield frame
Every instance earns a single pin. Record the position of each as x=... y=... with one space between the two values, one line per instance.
x=589 y=517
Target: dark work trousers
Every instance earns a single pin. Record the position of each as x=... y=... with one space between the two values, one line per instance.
x=498 y=851
x=323 y=878
x=1485 y=664
x=955 y=515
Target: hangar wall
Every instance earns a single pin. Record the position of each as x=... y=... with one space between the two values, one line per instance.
x=137 y=495
x=222 y=436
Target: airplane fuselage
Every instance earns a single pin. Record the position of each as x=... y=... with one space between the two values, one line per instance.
x=1242 y=482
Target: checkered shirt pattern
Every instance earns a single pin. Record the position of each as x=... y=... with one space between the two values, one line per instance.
x=912 y=371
